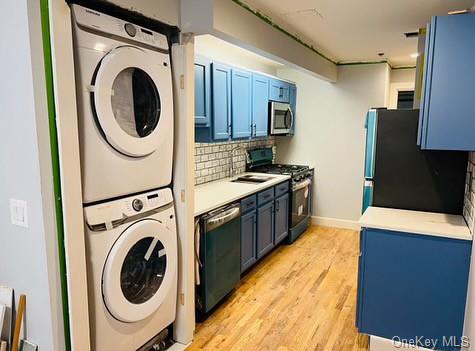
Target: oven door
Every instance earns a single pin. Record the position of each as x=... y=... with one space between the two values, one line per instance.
x=301 y=201
x=282 y=118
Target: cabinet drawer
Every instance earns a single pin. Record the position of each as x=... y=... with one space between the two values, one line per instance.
x=265 y=196
x=281 y=188
x=248 y=203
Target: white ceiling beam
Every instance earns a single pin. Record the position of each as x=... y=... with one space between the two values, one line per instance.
x=231 y=22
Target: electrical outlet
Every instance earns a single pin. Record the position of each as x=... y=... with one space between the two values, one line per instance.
x=19 y=213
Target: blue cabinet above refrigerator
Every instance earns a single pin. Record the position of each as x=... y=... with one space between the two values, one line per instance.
x=447 y=114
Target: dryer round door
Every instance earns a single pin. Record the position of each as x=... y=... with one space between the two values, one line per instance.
x=131 y=95
x=140 y=271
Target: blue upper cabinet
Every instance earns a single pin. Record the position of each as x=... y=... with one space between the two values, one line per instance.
x=447 y=119
x=221 y=78
x=202 y=92
x=231 y=103
x=260 y=105
x=279 y=91
x=241 y=104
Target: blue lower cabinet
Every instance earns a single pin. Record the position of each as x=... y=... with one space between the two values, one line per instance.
x=413 y=286
x=281 y=218
x=265 y=229
x=248 y=240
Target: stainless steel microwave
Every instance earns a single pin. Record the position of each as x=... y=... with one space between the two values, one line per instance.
x=281 y=118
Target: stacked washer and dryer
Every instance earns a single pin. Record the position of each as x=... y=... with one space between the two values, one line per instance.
x=125 y=111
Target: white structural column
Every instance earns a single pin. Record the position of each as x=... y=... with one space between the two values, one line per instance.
x=183 y=184
x=67 y=126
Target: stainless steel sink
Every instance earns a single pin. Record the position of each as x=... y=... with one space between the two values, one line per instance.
x=255 y=179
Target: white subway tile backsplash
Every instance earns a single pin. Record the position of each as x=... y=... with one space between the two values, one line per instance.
x=469 y=203
x=213 y=160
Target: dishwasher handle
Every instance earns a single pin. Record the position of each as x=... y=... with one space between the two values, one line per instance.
x=223 y=217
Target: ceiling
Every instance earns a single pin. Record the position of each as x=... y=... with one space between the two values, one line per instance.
x=357 y=30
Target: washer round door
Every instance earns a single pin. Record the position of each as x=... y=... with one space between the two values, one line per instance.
x=139 y=271
x=132 y=96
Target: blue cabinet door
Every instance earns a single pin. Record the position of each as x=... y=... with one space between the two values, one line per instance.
x=447 y=119
x=202 y=92
x=260 y=105
x=221 y=77
x=279 y=90
x=241 y=104
x=413 y=285
x=248 y=240
x=281 y=218
x=293 y=106
x=265 y=229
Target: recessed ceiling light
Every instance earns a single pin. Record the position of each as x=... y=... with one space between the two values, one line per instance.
x=457 y=12
x=414 y=55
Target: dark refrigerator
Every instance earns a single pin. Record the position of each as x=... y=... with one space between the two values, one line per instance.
x=398 y=174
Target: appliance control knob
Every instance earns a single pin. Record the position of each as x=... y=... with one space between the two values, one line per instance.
x=130 y=29
x=137 y=205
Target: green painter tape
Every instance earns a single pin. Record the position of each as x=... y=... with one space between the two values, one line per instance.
x=269 y=21
x=55 y=164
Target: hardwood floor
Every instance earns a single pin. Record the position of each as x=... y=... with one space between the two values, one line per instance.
x=300 y=297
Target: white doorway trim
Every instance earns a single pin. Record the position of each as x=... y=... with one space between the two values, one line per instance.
x=394 y=90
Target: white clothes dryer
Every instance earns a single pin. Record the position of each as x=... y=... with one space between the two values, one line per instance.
x=132 y=269
x=125 y=106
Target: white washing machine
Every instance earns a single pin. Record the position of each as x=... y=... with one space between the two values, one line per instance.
x=125 y=106
x=132 y=269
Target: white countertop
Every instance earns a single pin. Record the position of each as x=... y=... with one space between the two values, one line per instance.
x=426 y=223
x=212 y=195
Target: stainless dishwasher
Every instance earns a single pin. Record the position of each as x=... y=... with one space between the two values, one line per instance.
x=219 y=255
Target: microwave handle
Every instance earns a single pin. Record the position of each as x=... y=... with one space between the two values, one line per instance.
x=289 y=110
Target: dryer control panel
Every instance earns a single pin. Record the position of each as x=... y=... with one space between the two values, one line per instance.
x=112 y=26
x=118 y=211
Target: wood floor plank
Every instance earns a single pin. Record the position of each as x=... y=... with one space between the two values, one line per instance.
x=300 y=297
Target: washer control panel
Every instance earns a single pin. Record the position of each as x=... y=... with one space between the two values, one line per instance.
x=113 y=26
x=116 y=210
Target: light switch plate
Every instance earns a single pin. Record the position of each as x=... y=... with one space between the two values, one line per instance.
x=19 y=213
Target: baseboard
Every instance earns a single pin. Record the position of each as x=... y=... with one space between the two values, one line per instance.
x=335 y=222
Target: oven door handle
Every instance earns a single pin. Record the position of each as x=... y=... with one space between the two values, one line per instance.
x=301 y=185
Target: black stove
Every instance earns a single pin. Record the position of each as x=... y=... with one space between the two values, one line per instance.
x=301 y=183
x=281 y=169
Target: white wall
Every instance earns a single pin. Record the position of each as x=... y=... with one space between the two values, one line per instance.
x=330 y=134
x=28 y=256
x=220 y=50
x=406 y=75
